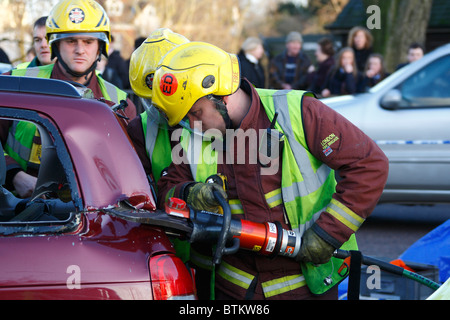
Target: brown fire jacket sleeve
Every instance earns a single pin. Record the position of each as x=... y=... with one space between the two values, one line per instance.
x=360 y=165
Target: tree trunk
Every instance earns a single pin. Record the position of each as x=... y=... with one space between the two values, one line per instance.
x=402 y=23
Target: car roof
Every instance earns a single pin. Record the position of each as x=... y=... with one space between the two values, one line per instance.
x=38 y=85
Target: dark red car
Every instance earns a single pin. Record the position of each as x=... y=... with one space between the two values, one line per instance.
x=67 y=246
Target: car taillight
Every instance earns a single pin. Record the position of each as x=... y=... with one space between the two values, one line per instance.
x=171 y=279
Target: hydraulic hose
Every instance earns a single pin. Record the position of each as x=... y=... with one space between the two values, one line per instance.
x=221 y=249
x=342 y=254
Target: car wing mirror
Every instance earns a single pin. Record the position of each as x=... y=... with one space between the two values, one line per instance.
x=392 y=99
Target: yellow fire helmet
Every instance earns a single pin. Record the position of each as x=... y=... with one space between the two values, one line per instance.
x=74 y=17
x=189 y=72
x=146 y=57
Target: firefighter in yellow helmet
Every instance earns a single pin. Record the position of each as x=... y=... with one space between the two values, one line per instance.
x=149 y=131
x=294 y=185
x=78 y=32
x=78 y=25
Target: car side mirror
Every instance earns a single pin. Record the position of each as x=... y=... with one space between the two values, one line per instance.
x=392 y=99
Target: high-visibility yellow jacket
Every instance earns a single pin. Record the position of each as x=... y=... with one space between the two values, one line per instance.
x=306 y=190
x=19 y=143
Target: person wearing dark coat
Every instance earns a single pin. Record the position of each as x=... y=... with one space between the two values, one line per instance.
x=375 y=71
x=325 y=58
x=249 y=56
x=289 y=69
x=4 y=57
x=344 y=78
x=360 y=40
x=116 y=62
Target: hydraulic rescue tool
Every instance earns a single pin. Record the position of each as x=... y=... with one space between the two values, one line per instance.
x=268 y=239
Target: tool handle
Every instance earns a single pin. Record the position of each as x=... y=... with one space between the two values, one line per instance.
x=221 y=248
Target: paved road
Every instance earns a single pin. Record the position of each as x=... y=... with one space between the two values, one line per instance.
x=391 y=229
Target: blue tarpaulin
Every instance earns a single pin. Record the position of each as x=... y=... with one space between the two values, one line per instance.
x=431 y=249
x=434 y=249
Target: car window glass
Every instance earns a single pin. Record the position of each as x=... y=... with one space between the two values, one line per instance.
x=430 y=86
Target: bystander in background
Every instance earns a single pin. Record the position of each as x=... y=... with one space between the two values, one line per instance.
x=325 y=62
x=107 y=73
x=415 y=52
x=40 y=46
x=250 y=55
x=344 y=78
x=289 y=69
x=375 y=71
x=117 y=63
x=360 y=40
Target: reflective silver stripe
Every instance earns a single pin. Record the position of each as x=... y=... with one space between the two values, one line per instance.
x=344 y=215
x=273 y=199
x=311 y=180
x=234 y=275
x=236 y=206
x=305 y=226
x=282 y=285
x=301 y=189
x=32 y=72
x=194 y=153
x=111 y=90
x=150 y=136
x=23 y=151
x=201 y=260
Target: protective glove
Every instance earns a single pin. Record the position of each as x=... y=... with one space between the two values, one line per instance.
x=314 y=249
x=201 y=197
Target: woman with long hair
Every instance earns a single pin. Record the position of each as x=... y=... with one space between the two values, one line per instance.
x=344 y=78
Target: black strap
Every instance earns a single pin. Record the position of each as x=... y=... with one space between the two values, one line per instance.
x=354 y=275
x=251 y=289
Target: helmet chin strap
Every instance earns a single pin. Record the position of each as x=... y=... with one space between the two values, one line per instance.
x=222 y=108
x=72 y=72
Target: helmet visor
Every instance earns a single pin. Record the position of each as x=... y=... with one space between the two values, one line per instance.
x=97 y=35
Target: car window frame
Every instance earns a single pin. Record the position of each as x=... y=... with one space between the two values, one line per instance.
x=51 y=135
x=406 y=105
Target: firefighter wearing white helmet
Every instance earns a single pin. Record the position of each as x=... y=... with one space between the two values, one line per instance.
x=78 y=33
x=201 y=82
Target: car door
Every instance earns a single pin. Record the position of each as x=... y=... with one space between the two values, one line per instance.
x=415 y=135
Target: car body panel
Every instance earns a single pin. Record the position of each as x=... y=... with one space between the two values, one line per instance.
x=85 y=253
x=415 y=138
x=107 y=254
